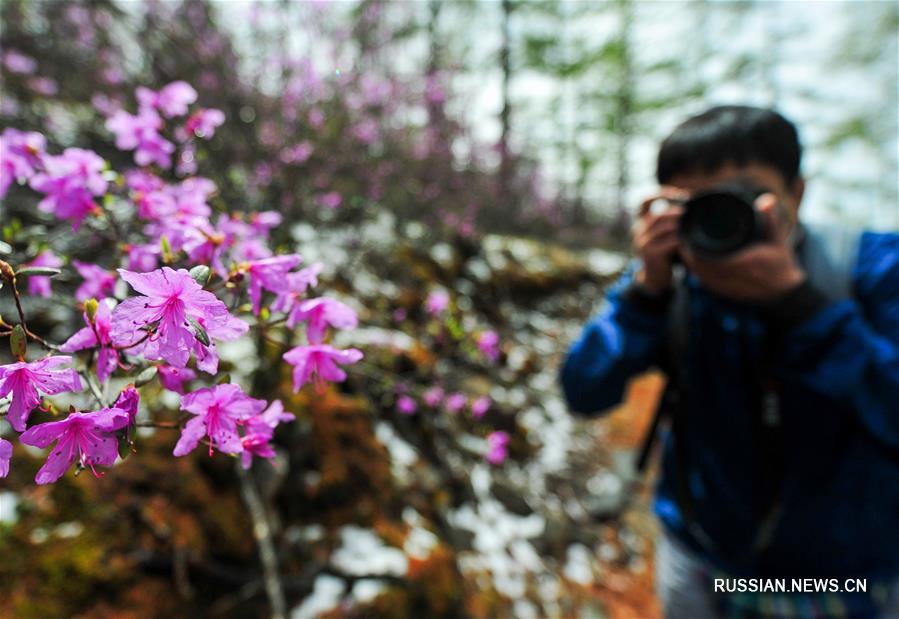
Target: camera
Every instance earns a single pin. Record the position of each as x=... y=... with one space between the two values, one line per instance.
x=722 y=220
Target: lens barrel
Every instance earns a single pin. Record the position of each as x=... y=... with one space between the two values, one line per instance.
x=721 y=221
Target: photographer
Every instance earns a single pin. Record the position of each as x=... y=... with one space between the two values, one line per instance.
x=781 y=346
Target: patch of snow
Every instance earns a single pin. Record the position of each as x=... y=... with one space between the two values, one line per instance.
x=325 y=595
x=363 y=552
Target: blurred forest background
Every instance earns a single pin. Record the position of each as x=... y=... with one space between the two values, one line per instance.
x=491 y=149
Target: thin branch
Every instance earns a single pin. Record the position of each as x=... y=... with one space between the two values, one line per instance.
x=274 y=588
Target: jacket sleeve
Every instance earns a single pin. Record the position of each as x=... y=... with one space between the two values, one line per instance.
x=622 y=340
x=849 y=350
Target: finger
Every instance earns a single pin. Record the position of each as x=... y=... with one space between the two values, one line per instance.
x=666 y=192
x=663 y=243
x=667 y=245
x=767 y=205
x=668 y=220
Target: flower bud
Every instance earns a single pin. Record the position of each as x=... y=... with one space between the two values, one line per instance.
x=90 y=308
x=18 y=343
x=201 y=274
x=6 y=271
x=166 y=249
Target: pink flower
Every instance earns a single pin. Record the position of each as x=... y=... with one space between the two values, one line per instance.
x=17 y=62
x=173 y=379
x=39 y=285
x=320 y=361
x=488 y=344
x=25 y=381
x=70 y=182
x=202 y=123
x=143 y=258
x=98 y=282
x=498 y=447
x=128 y=401
x=43 y=85
x=433 y=397
x=96 y=335
x=297 y=284
x=86 y=437
x=172 y=100
x=263 y=221
x=437 y=302
x=255 y=444
x=270 y=418
x=297 y=154
x=20 y=156
x=480 y=407
x=141 y=134
x=455 y=402
x=330 y=200
x=5 y=455
x=176 y=305
x=320 y=313
x=217 y=412
x=259 y=431
x=270 y=274
x=406 y=405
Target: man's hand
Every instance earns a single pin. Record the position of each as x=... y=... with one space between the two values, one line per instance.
x=656 y=241
x=759 y=273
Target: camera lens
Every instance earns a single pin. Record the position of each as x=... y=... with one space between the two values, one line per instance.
x=720 y=222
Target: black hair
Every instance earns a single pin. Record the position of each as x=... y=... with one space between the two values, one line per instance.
x=735 y=134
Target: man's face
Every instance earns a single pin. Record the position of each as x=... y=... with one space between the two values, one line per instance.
x=762 y=175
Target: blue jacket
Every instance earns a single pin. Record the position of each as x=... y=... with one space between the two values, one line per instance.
x=838 y=371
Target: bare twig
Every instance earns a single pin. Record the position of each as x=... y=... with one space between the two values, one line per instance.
x=274 y=588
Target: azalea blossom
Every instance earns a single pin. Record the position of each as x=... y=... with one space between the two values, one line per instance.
x=480 y=407
x=98 y=282
x=433 y=397
x=488 y=344
x=140 y=133
x=128 y=401
x=455 y=402
x=143 y=258
x=270 y=274
x=331 y=199
x=173 y=378
x=437 y=302
x=319 y=313
x=39 y=285
x=319 y=361
x=174 y=305
x=85 y=437
x=20 y=156
x=172 y=100
x=26 y=381
x=96 y=335
x=259 y=431
x=203 y=123
x=406 y=405
x=497 y=447
x=5 y=455
x=297 y=283
x=17 y=62
x=70 y=182
x=270 y=418
x=217 y=410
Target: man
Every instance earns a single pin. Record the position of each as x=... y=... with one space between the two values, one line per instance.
x=783 y=457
